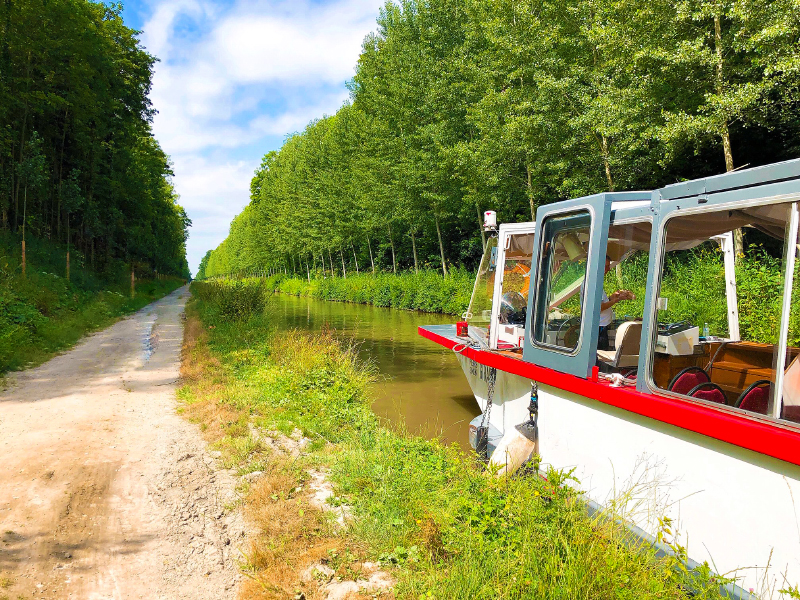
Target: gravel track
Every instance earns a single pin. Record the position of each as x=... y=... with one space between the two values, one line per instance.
x=105 y=491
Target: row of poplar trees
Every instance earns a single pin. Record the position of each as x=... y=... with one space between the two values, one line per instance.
x=461 y=106
x=78 y=162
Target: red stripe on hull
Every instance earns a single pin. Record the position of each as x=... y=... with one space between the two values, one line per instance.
x=737 y=429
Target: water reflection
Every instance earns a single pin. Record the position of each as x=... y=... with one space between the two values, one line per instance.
x=421 y=384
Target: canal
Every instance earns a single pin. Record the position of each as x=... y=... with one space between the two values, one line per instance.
x=420 y=384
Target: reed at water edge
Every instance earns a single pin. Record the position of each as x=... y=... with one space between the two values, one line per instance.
x=432 y=515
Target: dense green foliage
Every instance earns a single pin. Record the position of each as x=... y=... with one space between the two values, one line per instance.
x=427 y=291
x=464 y=106
x=434 y=516
x=78 y=162
x=43 y=312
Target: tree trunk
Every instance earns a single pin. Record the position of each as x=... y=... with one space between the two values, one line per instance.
x=322 y=258
x=133 y=282
x=530 y=193
x=24 y=216
x=372 y=260
x=480 y=227
x=308 y=272
x=414 y=248
x=738 y=236
x=720 y=81
x=67 y=246
x=330 y=261
x=394 y=259
x=344 y=270
x=441 y=246
x=355 y=258
x=604 y=148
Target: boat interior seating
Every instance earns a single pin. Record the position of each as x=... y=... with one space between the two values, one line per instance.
x=708 y=391
x=688 y=379
x=738 y=374
x=756 y=397
x=626 y=352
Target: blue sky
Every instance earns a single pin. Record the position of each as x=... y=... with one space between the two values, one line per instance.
x=234 y=79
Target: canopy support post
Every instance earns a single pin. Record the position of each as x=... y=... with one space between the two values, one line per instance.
x=786 y=309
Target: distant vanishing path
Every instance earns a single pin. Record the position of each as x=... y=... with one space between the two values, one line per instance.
x=105 y=492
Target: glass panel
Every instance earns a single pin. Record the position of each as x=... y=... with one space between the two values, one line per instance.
x=703 y=302
x=565 y=241
x=516 y=279
x=790 y=408
x=624 y=286
x=479 y=313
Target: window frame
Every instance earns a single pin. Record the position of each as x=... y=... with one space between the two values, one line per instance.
x=768 y=194
x=504 y=233
x=579 y=361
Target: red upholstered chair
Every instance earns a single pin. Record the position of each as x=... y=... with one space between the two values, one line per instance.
x=688 y=379
x=756 y=397
x=708 y=391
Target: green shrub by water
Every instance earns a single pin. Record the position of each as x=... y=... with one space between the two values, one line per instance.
x=234 y=300
x=43 y=313
x=427 y=291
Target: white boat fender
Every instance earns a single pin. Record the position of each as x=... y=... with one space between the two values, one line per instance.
x=519 y=443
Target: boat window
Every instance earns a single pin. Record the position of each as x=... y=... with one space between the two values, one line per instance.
x=479 y=313
x=719 y=312
x=512 y=314
x=624 y=287
x=565 y=241
x=516 y=278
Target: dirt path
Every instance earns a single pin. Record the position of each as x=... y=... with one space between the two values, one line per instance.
x=105 y=492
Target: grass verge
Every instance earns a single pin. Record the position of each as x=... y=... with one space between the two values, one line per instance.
x=430 y=514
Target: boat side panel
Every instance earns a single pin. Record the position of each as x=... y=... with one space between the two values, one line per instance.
x=739 y=505
x=772 y=439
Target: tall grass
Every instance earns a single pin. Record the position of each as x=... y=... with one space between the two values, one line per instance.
x=43 y=313
x=430 y=513
x=427 y=291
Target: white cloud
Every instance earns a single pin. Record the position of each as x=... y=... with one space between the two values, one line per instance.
x=213 y=193
x=230 y=76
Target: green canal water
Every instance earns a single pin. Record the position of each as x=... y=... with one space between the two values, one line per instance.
x=420 y=384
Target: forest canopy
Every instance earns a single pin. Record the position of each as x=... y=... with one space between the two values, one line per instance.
x=461 y=106
x=78 y=161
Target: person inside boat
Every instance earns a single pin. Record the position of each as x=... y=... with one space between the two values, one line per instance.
x=607 y=311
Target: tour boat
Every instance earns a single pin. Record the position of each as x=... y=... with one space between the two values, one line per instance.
x=680 y=400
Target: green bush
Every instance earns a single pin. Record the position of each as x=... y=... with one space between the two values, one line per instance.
x=234 y=300
x=427 y=291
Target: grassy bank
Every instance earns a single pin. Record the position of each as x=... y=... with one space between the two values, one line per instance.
x=42 y=313
x=426 y=291
x=433 y=516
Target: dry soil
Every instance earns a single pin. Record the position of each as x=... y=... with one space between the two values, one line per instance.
x=105 y=491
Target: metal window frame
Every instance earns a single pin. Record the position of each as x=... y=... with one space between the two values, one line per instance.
x=761 y=194
x=504 y=234
x=579 y=361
